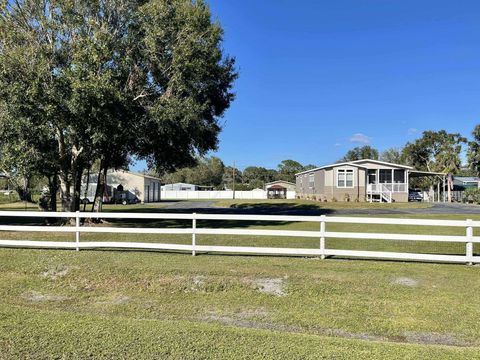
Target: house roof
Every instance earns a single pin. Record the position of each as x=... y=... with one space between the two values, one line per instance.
x=356 y=163
x=382 y=163
x=181 y=184
x=329 y=166
x=279 y=181
x=419 y=173
x=467 y=178
x=277 y=186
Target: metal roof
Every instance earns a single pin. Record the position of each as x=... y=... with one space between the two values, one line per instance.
x=276 y=186
x=356 y=163
x=328 y=166
x=383 y=163
x=426 y=173
x=467 y=178
x=279 y=181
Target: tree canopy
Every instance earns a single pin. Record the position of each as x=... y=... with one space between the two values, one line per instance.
x=106 y=80
x=473 y=154
x=360 y=152
x=436 y=151
x=392 y=155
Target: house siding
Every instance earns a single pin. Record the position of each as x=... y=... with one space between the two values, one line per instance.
x=325 y=185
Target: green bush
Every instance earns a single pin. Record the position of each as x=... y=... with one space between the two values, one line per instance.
x=5 y=199
x=472 y=195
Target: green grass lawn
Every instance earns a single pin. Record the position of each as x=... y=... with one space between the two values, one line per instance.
x=147 y=304
x=103 y=304
x=310 y=204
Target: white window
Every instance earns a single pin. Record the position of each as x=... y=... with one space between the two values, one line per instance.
x=345 y=178
x=311 y=180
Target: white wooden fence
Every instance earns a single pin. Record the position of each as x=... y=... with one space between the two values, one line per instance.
x=468 y=239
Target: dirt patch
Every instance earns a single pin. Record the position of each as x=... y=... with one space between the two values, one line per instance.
x=198 y=283
x=407 y=337
x=246 y=320
x=115 y=300
x=432 y=338
x=118 y=300
x=404 y=281
x=36 y=296
x=57 y=272
x=249 y=319
x=270 y=286
x=252 y=324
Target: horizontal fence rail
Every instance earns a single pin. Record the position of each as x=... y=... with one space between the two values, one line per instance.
x=322 y=234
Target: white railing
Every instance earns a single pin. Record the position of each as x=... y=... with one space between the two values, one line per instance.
x=393 y=187
x=468 y=239
x=385 y=192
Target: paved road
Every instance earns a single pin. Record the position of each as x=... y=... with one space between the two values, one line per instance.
x=207 y=206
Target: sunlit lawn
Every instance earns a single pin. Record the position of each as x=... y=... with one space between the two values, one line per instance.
x=148 y=304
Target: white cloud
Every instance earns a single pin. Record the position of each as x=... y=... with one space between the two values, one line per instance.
x=338 y=144
x=412 y=131
x=360 y=138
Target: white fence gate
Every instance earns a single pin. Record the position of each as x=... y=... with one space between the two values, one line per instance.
x=468 y=239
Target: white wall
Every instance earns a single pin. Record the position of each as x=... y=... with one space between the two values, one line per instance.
x=223 y=194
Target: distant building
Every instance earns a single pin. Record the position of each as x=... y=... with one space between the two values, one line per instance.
x=360 y=180
x=179 y=187
x=185 y=187
x=278 y=189
x=464 y=182
x=124 y=187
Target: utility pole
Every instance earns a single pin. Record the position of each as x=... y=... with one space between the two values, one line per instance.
x=233 y=178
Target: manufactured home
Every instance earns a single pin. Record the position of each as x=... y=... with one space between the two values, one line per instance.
x=123 y=187
x=360 y=180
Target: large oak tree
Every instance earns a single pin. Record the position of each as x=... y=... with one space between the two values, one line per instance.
x=104 y=80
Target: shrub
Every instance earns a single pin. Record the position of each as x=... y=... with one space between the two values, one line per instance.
x=11 y=197
x=472 y=195
x=334 y=199
x=346 y=197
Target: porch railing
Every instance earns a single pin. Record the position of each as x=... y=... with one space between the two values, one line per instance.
x=392 y=187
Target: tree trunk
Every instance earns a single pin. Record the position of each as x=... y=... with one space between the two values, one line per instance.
x=24 y=191
x=85 y=194
x=53 y=190
x=65 y=192
x=101 y=183
x=77 y=188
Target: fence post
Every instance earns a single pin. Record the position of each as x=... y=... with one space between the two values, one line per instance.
x=77 y=229
x=469 y=246
x=194 y=228
x=322 y=237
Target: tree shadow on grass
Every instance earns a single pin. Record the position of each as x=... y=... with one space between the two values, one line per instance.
x=280 y=208
x=257 y=209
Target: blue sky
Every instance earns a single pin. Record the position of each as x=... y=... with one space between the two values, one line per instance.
x=320 y=77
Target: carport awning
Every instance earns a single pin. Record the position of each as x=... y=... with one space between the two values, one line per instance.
x=418 y=173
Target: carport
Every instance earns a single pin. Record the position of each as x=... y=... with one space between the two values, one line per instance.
x=440 y=185
x=277 y=192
